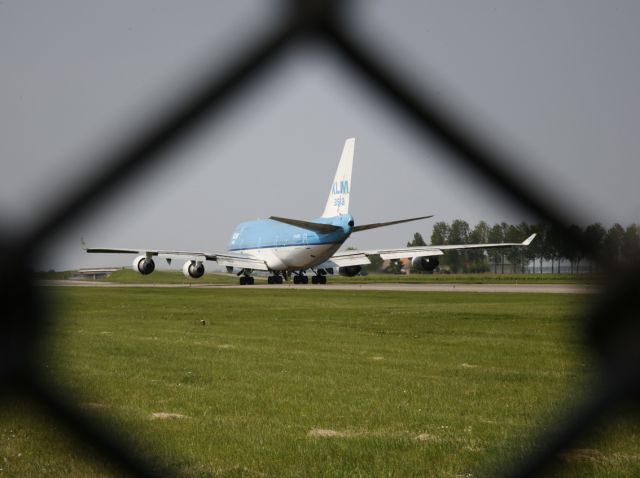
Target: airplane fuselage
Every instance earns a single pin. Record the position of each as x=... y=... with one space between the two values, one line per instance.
x=289 y=248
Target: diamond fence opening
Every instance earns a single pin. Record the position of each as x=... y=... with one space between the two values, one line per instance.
x=612 y=323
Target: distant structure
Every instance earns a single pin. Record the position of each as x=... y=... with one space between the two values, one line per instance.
x=93 y=274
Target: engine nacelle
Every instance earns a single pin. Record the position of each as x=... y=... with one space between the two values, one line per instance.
x=143 y=265
x=193 y=269
x=349 y=271
x=425 y=263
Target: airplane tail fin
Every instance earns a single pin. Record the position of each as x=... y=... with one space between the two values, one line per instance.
x=338 y=201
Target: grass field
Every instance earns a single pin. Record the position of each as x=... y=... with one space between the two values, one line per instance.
x=128 y=276
x=301 y=383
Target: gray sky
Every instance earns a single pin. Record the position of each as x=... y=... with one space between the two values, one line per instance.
x=558 y=81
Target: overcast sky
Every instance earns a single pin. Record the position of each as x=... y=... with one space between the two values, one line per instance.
x=556 y=81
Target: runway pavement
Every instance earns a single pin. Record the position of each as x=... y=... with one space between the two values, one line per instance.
x=403 y=287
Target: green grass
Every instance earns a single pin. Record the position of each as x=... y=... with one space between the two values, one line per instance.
x=128 y=276
x=52 y=275
x=471 y=278
x=405 y=384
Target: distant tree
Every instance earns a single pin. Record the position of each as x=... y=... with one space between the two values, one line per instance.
x=513 y=254
x=417 y=241
x=480 y=233
x=612 y=243
x=538 y=245
x=630 y=244
x=495 y=235
x=527 y=254
x=478 y=257
x=458 y=234
x=594 y=236
x=570 y=251
x=376 y=264
x=440 y=233
x=439 y=237
x=554 y=247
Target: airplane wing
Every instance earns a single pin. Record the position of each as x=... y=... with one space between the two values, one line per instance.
x=354 y=258
x=226 y=259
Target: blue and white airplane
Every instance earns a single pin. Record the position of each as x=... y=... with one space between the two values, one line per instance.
x=292 y=247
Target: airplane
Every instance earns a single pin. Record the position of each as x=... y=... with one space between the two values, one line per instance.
x=287 y=248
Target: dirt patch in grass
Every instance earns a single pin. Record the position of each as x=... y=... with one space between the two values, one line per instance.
x=427 y=437
x=327 y=433
x=94 y=406
x=468 y=365
x=167 y=416
x=581 y=455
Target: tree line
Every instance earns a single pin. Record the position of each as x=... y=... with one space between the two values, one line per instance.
x=616 y=244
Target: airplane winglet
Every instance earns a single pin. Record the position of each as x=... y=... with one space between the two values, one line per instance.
x=529 y=239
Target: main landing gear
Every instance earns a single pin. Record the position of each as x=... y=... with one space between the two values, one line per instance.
x=300 y=279
x=247 y=280
x=280 y=276
x=245 y=277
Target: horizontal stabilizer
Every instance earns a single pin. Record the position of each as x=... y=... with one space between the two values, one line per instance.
x=391 y=223
x=311 y=226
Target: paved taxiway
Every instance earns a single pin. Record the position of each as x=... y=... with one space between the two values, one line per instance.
x=415 y=287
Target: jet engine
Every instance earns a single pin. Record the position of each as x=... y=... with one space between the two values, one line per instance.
x=425 y=263
x=193 y=269
x=349 y=271
x=143 y=265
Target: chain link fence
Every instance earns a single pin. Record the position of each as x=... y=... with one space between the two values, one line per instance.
x=611 y=323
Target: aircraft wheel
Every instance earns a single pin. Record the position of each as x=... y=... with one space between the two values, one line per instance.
x=278 y=280
x=251 y=280
x=322 y=279
x=270 y=279
x=243 y=280
x=304 y=280
x=296 y=279
x=314 y=279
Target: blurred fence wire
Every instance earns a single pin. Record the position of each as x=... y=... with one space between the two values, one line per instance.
x=612 y=324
